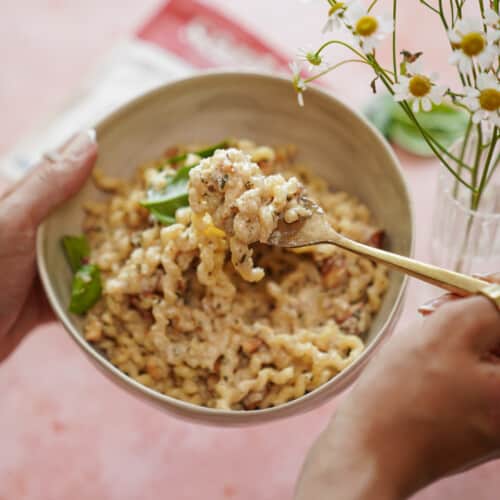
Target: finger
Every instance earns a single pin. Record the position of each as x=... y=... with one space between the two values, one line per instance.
x=490 y=278
x=56 y=178
x=36 y=311
x=474 y=319
x=434 y=304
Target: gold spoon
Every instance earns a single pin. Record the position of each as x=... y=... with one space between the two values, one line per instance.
x=316 y=230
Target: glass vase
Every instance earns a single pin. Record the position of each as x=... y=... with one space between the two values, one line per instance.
x=464 y=238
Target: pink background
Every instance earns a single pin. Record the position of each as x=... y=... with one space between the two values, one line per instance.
x=65 y=431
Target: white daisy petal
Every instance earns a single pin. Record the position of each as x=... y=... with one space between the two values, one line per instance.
x=415 y=106
x=491 y=17
x=476 y=117
x=426 y=104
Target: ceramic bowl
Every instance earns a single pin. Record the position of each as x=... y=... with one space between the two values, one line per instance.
x=333 y=140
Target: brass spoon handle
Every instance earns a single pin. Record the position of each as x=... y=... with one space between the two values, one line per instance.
x=457 y=283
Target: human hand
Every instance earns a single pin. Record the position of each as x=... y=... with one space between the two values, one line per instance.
x=426 y=407
x=22 y=207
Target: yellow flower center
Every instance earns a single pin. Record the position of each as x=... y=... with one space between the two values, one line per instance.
x=419 y=85
x=489 y=99
x=334 y=8
x=366 y=25
x=473 y=44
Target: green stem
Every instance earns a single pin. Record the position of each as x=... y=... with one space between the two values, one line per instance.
x=394 y=59
x=484 y=176
x=441 y=15
x=339 y=42
x=372 y=5
x=452 y=10
x=475 y=168
x=481 y=7
x=423 y=2
x=335 y=66
x=462 y=155
x=495 y=165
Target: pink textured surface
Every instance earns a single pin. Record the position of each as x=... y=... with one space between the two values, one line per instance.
x=65 y=431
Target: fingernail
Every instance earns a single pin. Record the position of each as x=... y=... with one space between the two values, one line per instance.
x=432 y=305
x=92 y=134
x=79 y=145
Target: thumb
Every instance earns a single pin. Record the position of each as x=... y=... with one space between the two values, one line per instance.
x=55 y=179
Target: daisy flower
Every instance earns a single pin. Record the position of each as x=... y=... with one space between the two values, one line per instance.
x=309 y=56
x=484 y=100
x=298 y=82
x=368 y=29
x=419 y=88
x=472 y=45
x=335 y=16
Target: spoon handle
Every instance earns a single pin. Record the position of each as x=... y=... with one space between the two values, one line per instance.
x=457 y=283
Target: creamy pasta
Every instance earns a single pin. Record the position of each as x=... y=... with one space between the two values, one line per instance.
x=184 y=313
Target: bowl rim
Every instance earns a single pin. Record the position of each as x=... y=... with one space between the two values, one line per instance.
x=176 y=406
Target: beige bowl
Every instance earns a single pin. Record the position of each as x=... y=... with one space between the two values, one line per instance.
x=333 y=140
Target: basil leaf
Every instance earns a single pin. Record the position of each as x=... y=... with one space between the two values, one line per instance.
x=86 y=289
x=76 y=249
x=166 y=220
x=202 y=153
x=165 y=203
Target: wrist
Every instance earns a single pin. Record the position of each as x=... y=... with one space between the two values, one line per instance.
x=348 y=465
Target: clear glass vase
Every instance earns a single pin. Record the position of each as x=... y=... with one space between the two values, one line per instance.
x=465 y=239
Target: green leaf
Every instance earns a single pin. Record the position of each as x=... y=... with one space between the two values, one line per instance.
x=202 y=153
x=166 y=220
x=163 y=204
x=76 y=249
x=86 y=289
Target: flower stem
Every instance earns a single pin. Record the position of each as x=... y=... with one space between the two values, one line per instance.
x=339 y=42
x=441 y=15
x=372 y=5
x=475 y=168
x=394 y=60
x=423 y=2
x=465 y=142
x=335 y=66
x=481 y=7
x=484 y=177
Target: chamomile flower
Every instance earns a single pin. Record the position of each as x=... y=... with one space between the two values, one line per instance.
x=298 y=82
x=311 y=58
x=472 y=45
x=419 y=88
x=484 y=100
x=368 y=29
x=335 y=16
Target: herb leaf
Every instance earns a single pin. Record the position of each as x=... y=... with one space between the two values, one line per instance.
x=166 y=220
x=163 y=204
x=202 y=153
x=77 y=250
x=86 y=289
